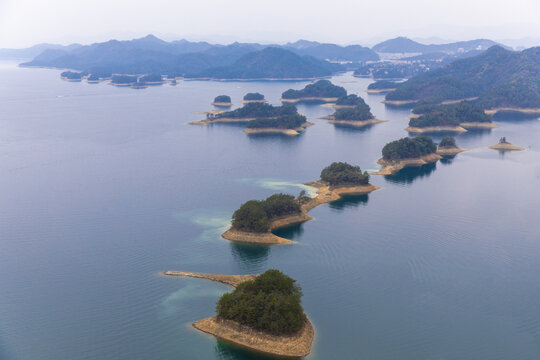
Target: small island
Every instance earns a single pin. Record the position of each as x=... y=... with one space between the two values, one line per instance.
x=253 y=98
x=124 y=80
x=355 y=112
x=448 y=147
x=504 y=145
x=152 y=79
x=222 y=101
x=381 y=87
x=407 y=152
x=456 y=117
x=254 y=221
x=72 y=76
x=322 y=91
x=291 y=125
x=263 y=314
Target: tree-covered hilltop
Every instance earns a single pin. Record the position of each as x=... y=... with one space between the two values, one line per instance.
x=498 y=77
x=72 y=75
x=448 y=115
x=360 y=111
x=407 y=148
x=382 y=85
x=253 y=97
x=259 y=110
x=319 y=89
x=222 y=99
x=255 y=216
x=270 y=63
x=281 y=122
x=349 y=100
x=389 y=71
x=447 y=142
x=124 y=80
x=342 y=173
x=332 y=52
x=270 y=303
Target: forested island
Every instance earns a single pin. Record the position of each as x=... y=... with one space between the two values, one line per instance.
x=264 y=313
x=124 y=80
x=407 y=152
x=222 y=100
x=322 y=91
x=292 y=124
x=72 y=76
x=352 y=110
x=253 y=97
x=497 y=78
x=381 y=86
x=254 y=221
x=448 y=147
x=449 y=118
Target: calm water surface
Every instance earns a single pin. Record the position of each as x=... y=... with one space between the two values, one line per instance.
x=102 y=188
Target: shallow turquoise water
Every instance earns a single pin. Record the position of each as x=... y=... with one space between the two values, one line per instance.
x=102 y=188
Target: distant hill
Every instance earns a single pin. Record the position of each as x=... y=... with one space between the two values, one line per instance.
x=193 y=59
x=271 y=62
x=333 y=52
x=406 y=45
x=33 y=51
x=498 y=77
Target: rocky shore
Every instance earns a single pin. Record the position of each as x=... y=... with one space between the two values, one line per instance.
x=392 y=167
x=290 y=132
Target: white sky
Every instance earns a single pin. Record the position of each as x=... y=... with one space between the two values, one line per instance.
x=27 y=22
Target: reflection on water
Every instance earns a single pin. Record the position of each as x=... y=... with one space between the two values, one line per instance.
x=290 y=232
x=227 y=351
x=408 y=175
x=349 y=201
x=250 y=257
x=352 y=129
x=447 y=159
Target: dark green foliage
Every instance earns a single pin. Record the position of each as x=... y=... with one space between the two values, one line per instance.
x=253 y=96
x=71 y=75
x=498 y=77
x=382 y=84
x=251 y=217
x=280 y=122
x=124 y=79
x=222 y=99
x=93 y=77
x=259 y=110
x=270 y=303
x=342 y=173
x=351 y=99
x=322 y=88
x=448 y=141
x=408 y=148
x=151 y=78
x=361 y=111
x=448 y=115
x=255 y=216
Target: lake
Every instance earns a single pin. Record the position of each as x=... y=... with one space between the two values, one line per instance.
x=102 y=188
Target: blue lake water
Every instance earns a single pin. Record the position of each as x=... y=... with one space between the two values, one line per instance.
x=102 y=188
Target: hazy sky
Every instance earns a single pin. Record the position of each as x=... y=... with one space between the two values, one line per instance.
x=26 y=22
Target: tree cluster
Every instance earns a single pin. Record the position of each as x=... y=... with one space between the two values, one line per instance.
x=408 y=148
x=382 y=84
x=253 y=96
x=448 y=115
x=361 y=111
x=270 y=303
x=71 y=75
x=259 y=110
x=281 y=122
x=255 y=216
x=447 y=141
x=321 y=88
x=124 y=79
x=222 y=99
x=342 y=173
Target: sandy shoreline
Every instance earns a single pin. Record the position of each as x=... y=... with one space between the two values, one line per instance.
x=224 y=104
x=232 y=280
x=449 y=151
x=221 y=120
x=506 y=146
x=290 y=346
x=478 y=125
x=379 y=91
x=531 y=111
x=313 y=98
x=357 y=123
x=392 y=167
x=431 y=129
x=289 y=132
x=399 y=102
x=254 y=101
x=325 y=194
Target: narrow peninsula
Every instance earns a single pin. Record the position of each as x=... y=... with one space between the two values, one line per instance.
x=255 y=220
x=381 y=87
x=407 y=152
x=448 y=147
x=322 y=91
x=263 y=314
